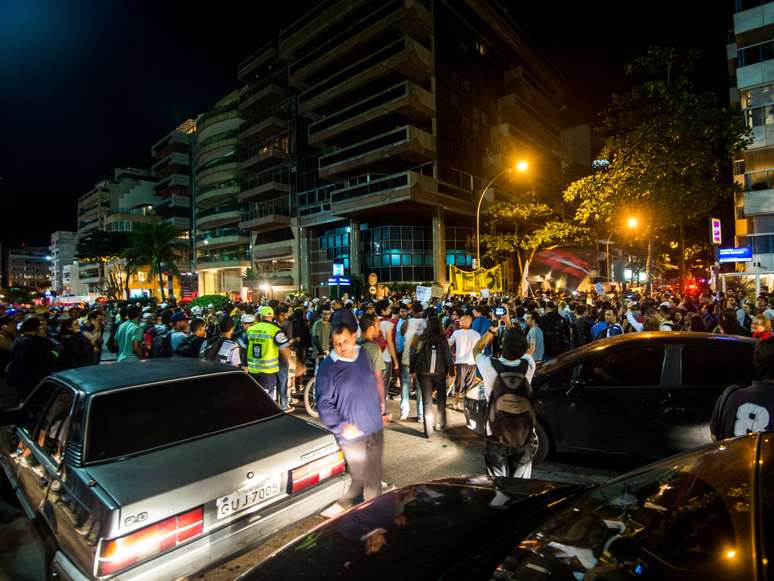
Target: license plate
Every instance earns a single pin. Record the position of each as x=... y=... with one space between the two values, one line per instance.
x=243 y=499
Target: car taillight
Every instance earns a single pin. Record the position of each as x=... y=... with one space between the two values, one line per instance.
x=317 y=471
x=118 y=554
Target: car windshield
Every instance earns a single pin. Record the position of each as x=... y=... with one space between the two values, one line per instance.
x=135 y=420
x=689 y=517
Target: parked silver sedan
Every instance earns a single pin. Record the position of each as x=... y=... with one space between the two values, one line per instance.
x=158 y=469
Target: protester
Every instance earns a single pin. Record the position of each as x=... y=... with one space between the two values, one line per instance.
x=462 y=341
x=349 y=404
x=129 y=337
x=77 y=351
x=432 y=364
x=534 y=336
x=222 y=348
x=32 y=357
x=761 y=327
x=413 y=326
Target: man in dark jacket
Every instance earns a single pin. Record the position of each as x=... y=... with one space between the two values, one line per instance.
x=741 y=411
x=556 y=332
x=32 y=358
x=350 y=407
x=583 y=325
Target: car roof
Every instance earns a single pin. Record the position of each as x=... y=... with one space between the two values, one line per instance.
x=657 y=336
x=109 y=376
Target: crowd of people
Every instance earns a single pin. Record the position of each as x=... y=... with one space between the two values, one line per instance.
x=357 y=349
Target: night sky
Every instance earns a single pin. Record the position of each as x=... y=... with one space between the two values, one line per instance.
x=89 y=86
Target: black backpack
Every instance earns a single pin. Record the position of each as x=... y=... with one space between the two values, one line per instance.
x=511 y=412
x=161 y=346
x=209 y=349
x=556 y=334
x=189 y=347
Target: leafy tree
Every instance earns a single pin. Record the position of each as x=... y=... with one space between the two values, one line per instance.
x=668 y=146
x=215 y=300
x=156 y=245
x=105 y=248
x=523 y=228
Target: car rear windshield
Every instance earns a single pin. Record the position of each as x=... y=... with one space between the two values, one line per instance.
x=134 y=420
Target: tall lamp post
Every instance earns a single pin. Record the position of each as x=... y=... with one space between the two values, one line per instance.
x=521 y=167
x=631 y=223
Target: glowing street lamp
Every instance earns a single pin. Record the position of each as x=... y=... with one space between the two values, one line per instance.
x=632 y=223
x=521 y=167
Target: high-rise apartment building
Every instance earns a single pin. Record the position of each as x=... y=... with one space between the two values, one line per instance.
x=751 y=69
x=61 y=253
x=221 y=245
x=114 y=205
x=27 y=267
x=172 y=168
x=371 y=128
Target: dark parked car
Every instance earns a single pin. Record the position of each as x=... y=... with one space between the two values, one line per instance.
x=647 y=395
x=703 y=515
x=160 y=468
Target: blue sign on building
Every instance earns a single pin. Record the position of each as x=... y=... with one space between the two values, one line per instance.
x=338 y=280
x=743 y=254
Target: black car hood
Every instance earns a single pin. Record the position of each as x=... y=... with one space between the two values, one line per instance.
x=421 y=531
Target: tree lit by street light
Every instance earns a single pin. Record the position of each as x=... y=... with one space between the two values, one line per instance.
x=632 y=222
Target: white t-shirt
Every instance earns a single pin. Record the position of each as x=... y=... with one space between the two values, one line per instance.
x=386 y=326
x=463 y=341
x=415 y=327
x=487 y=371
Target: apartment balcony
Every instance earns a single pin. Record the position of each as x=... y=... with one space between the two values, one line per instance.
x=263 y=185
x=404 y=56
x=364 y=26
x=179 y=222
x=274 y=251
x=219 y=263
x=221 y=239
x=225 y=215
x=756 y=74
x=267 y=216
x=262 y=96
x=405 y=101
x=752 y=18
x=173 y=184
x=384 y=153
x=174 y=163
x=759 y=202
x=251 y=68
x=217 y=193
x=172 y=143
x=315 y=24
x=217 y=121
x=218 y=173
x=262 y=128
x=257 y=158
x=217 y=147
x=170 y=203
x=526 y=139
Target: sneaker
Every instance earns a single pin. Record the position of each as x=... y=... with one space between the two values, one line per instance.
x=403 y=417
x=333 y=510
x=289 y=409
x=420 y=419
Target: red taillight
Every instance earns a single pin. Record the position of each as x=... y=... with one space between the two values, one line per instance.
x=118 y=554
x=317 y=471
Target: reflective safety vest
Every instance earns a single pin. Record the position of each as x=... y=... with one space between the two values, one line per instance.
x=262 y=349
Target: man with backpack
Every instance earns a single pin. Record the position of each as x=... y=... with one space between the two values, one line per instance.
x=510 y=410
x=192 y=344
x=608 y=327
x=222 y=348
x=557 y=335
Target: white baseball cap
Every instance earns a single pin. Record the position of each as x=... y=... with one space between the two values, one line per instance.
x=247 y=318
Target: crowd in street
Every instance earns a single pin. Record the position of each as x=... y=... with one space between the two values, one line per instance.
x=357 y=349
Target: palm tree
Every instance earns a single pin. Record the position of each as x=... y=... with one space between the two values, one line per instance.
x=156 y=245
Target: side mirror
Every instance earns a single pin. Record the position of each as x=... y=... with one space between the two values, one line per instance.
x=575 y=389
x=11 y=417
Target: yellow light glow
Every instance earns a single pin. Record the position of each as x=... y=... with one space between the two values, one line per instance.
x=730 y=554
x=632 y=222
x=522 y=166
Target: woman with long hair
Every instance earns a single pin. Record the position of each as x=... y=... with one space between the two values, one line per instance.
x=761 y=327
x=432 y=363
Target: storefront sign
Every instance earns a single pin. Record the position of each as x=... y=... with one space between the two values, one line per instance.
x=743 y=254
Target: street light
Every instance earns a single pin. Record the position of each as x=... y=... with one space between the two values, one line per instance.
x=631 y=223
x=521 y=167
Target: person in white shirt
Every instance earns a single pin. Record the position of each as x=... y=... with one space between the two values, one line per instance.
x=389 y=353
x=502 y=460
x=412 y=327
x=462 y=341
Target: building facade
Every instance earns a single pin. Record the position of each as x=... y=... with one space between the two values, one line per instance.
x=222 y=247
x=750 y=53
x=61 y=253
x=396 y=114
x=27 y=267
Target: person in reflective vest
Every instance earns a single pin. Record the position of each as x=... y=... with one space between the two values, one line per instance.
x=266 y=343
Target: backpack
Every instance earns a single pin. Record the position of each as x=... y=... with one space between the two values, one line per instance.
x=160 y=346
x=210 y=348
x=430 y=359
x=511 y=413
x=556 y=334
x=189 y=347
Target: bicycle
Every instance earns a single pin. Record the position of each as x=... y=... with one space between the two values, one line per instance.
x=310 y=400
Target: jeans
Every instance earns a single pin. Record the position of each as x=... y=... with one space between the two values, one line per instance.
x=365 y=463
x=282 y=383
x=268 y=382
x=387 y=376
x=502 y=460
x=405 y=393
x=428 y=383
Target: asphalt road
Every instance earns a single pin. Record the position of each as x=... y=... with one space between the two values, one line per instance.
x=408 y=457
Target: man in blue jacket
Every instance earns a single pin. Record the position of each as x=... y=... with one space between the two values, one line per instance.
x=350 y=407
